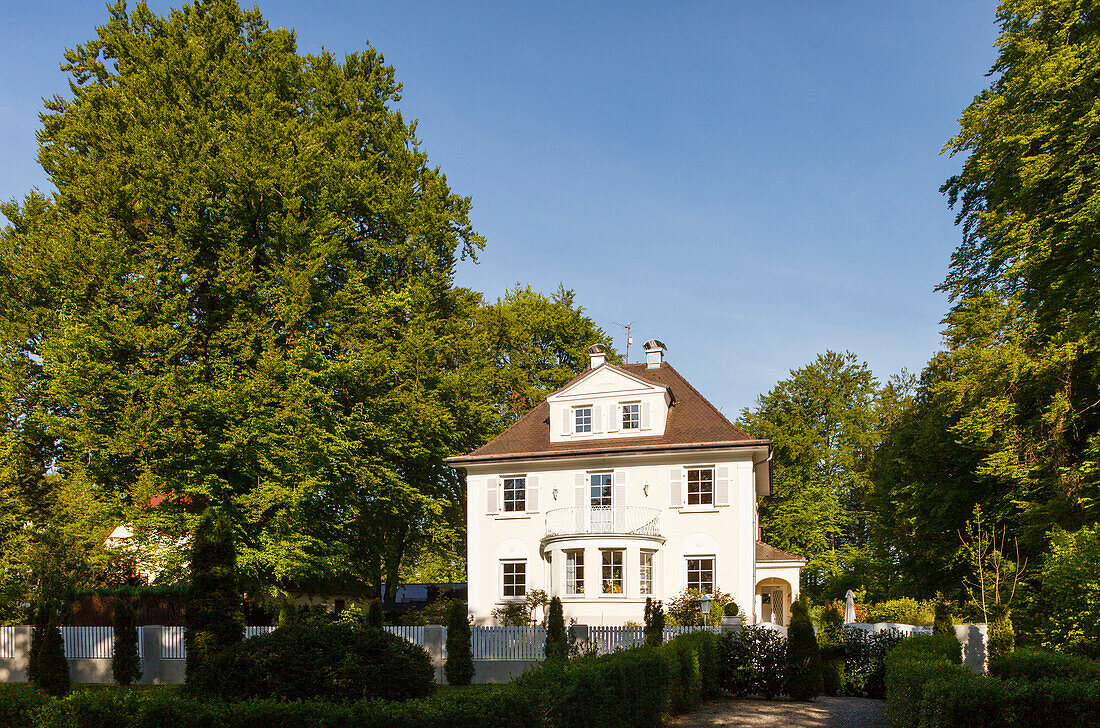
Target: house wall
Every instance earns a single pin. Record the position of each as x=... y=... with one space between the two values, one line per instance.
x=728 y=532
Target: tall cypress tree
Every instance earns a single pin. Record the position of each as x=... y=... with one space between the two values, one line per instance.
x=557 y=640
x=48 y=669
x=213 y=614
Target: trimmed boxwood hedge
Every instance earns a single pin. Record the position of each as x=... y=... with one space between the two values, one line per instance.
x=621 y=690
x=927 y=687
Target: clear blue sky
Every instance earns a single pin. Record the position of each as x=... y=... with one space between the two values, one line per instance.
x=752 y=183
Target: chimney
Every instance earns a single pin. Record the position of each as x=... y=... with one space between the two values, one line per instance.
x=654 y=353
x=596 y=355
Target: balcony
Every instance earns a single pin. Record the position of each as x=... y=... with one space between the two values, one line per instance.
x=604 y=520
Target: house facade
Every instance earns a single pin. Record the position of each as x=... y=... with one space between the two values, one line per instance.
x=625 y=484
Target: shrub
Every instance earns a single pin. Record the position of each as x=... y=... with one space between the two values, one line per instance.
x=459 y=667
x=685 y=686
x=753 y=661
x=910 y=666
x=47 y=668
x=1035 y=665
x=903 y=611
x=830 y=639
x=213 y=617
x=623 y=689
x=684 y=609
x=942 y=622
x=865 y=660
x=557 y=641
x=18 y=704
x=1002 y=638
x=803 y=655
x=654 y=622
x=330 y=661
x=375 y=617
x=126 y=665
x=1070 y=593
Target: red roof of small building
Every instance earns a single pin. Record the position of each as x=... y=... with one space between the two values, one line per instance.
x=767 y=552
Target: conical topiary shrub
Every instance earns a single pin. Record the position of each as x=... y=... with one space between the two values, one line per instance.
x=48 y=670
x=557 y=640
x=459 y=667
x=126 y=665
x=803 y=655
x=213 y=614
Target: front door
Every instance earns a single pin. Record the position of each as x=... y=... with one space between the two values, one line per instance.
x=600 y=513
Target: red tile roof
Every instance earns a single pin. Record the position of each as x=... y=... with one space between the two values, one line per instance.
x=767 y=552
x=692 y=421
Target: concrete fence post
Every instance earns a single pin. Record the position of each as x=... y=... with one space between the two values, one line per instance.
x=14 y=668
x=435 y=641
x=581 y=632
x=150 y=655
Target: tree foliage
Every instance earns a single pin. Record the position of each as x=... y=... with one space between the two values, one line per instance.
x=1069 y=593
x=824 y=421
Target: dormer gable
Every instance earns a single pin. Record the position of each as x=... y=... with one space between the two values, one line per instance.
x=607 y=403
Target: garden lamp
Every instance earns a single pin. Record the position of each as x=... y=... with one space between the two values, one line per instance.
x=704 y=607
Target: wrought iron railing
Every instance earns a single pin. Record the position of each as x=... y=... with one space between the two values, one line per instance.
x=623 y=520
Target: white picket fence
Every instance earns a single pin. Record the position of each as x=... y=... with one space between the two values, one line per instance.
x=7 y=643
x=411 y=633
x=508 y=643
x=92 y=643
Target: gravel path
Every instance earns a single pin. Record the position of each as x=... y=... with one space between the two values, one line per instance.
x=822 y=713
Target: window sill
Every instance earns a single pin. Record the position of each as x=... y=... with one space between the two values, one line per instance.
x=699 y=509
x=512 y=516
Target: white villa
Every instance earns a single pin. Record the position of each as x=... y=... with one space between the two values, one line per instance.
x=624 y=484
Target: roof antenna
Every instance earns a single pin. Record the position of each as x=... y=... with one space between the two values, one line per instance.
x=629 y=338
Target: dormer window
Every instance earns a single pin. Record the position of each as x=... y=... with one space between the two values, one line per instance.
x=582 y=419
x=632 y=416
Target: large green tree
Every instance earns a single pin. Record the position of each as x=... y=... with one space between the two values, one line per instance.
x=241 y=291
x=824 y=420
x=1028 y=198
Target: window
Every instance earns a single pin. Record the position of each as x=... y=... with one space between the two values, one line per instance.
x=574 y=572
x=632 y=416
x=601 y=490
x=515 y=494
x=582 y=419
x=700 y=486
x=612 y=576
x=515 y=579
x=647 y=573
x=700 y=574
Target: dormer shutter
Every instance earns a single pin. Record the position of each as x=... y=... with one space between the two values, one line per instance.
x=619 y=497
x=675 y=493
x=532 y=494
x=614 y=418
x=566 y=423
x=597 y=418
x=722 y=486
x=645 y=415
x=492 y=506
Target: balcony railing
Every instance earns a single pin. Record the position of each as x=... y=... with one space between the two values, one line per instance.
x=621 y=520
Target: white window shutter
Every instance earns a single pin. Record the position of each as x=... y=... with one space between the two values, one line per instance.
x=675 y=492
x=492 y=503
x=597 y=418
x=645 y=415
x=532 y=494
x=614 y=418
x=722 y=486
x=566 y=422
x=580 y=500
x=619 y=496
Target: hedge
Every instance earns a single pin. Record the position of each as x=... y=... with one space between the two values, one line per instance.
x=927 y=688
x=622 y=690
x=1033 y=665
